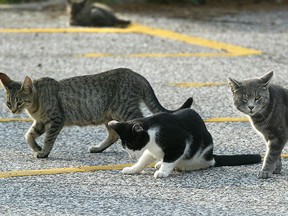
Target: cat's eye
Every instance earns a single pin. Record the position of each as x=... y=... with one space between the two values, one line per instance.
x=258 y=97
x=19 y=104
x=9 y=105
x=244 y=100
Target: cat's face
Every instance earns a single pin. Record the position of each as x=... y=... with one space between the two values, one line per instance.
x=18 y=96
x=133 y=136
x=251 y=96
x=74 y=7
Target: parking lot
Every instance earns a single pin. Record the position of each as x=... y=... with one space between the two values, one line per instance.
x=183 y=52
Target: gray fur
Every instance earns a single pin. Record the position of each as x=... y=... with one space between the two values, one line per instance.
x=267 y=107
x=83 y=100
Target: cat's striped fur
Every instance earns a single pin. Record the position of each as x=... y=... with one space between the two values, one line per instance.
x=82 y=100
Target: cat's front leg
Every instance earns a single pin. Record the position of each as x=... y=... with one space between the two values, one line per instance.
x=52 y=131
x=158 y=164
x=146 y=159
x=278 y=166
x=36 y=130
x=271 y=160
x=165 y=170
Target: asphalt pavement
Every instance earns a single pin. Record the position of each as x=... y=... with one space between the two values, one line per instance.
x=198 y=45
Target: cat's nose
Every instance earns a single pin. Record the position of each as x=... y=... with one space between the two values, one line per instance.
x=14 y=111
x=251 y=107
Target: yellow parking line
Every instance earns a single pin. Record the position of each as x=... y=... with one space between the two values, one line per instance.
x=67 y=30
x=15 y=120
x=225 y=49
x=154 y=55
x=231 y=49
x=227 y=120
x=196 y=85
x=54 y=171
x=217 y=119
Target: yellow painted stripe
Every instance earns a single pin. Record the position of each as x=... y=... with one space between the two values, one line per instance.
x=67 y=30
x=227 y=120
x=16 y=120
x=232 y=49
x=154 y=55
x=226 y=49
x=219 y=119
x=197 y=85
x=54 y=171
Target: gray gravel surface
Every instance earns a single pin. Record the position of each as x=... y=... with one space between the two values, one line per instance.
x=216 y=191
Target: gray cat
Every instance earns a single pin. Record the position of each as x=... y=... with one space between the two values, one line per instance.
x=82 y=100
x=267 y=107
x=85 y=13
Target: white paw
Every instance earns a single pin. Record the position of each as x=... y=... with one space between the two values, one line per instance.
x=129 y=170
x=158 y=165
x=160 y=174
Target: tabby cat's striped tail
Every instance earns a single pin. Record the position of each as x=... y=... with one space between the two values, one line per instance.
x=152 y=102
x=236 y=160
x=155 y=107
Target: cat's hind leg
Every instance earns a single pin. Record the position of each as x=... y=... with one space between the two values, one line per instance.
x=127 y=113
x=36 y=130
x=110 y=139
x=146 y=159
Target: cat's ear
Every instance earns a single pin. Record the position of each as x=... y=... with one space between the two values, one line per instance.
x=136 y=128
x=27 y=85
x=5 y=80
x=234 y=85
x=113 y=124
x=265 y=79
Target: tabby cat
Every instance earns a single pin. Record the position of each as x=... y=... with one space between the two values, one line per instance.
x=85 y=13
x=266 y=105
x=82 y=100
x=176 y=140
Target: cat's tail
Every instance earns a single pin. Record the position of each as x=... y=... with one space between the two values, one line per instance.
x=152 y=102
x=236 y=160
x=155 y=107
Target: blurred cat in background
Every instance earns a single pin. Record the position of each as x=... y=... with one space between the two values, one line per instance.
x=85 y=13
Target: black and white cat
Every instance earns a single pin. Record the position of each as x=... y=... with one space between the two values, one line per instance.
x=176 y=140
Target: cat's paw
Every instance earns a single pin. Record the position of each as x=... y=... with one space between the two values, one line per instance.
x=129 y=170
x=95 y=149
x=160 y=174
x=264 y=175
x=158 y=165
x=41 y=155
x=277 y=170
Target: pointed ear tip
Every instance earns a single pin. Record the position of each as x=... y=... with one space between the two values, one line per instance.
x=3 y=75
x=28 y=78
x=112 y=122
